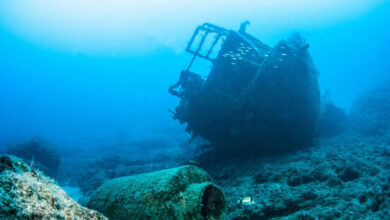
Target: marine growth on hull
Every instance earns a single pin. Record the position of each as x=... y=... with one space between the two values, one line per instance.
x=255 y=100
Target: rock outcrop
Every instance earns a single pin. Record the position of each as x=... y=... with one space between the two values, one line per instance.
x=370 y=113
x=26 y=194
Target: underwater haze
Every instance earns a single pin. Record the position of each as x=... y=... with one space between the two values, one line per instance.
x=83 y=72
x=183 y=109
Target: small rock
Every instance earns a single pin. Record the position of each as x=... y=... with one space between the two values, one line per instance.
x=362 y=199
x=260 y=178
x=349 y=174
x=294 y=181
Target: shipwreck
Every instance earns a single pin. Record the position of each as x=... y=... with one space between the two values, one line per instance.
x=255 y=100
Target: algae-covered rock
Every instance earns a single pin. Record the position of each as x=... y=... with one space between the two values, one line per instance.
x=28 y=194
x=179 y=193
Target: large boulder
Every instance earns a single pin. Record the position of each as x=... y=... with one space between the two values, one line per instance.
x=179 y=193
x=370 y=113
x=39 y=152
x=28 y=194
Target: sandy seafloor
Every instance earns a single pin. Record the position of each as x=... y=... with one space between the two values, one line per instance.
x=345 y=177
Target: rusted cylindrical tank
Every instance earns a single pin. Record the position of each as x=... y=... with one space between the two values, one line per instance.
x=179 y=193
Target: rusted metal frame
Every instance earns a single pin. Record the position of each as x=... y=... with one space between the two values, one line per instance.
x=196 y=53
x=208 y=28
x=217 y=38
x=188 y=49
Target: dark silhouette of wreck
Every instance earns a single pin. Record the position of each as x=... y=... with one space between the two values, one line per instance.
x=255 y=100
